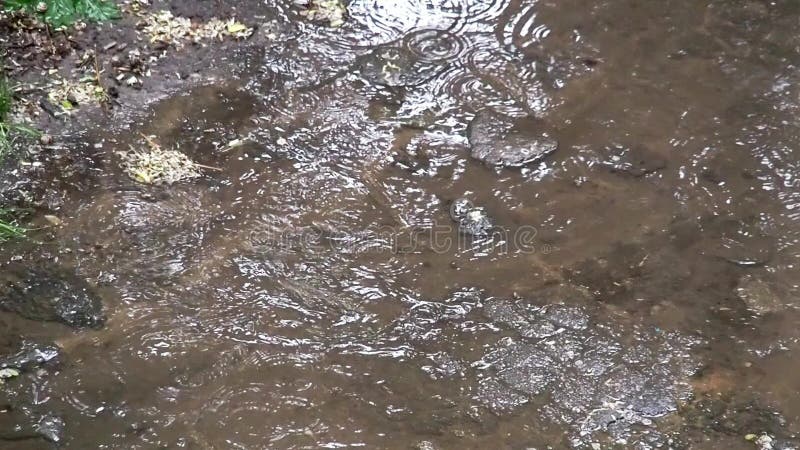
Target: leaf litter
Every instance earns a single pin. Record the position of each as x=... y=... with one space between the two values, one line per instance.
x=164 y=27
x=7 y=373
x=156 y=165
x=331 y=12
x=69 y=94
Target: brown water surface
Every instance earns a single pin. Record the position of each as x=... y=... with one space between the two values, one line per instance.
x=638 y=289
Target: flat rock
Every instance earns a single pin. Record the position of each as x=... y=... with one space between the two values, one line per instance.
x=504 y=141
x=50 y=295
x=30 y=356
x=593 y=375
x=760 y=296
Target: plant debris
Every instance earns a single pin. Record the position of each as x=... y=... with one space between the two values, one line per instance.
x=159 y=166
x=69 y=94
x=332 y=12
x=8 y=373
x=163 y=27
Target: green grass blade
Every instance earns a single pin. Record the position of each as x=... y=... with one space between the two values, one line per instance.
x=8 y=227
x=61 y=12
x=24 y=129
x=6 y=98
x=16 y=5
x=9 y=230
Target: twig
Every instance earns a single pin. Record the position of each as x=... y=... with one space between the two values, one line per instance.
x=97 y=69
x=218 y=169
x=104 y=102
x=150 y=142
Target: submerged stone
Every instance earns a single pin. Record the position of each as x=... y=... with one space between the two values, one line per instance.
x=51 y=295
x=472 y=220
x=476 y=223
x=30 y=356
x=459 y=208
x=51 y=428
x=392 y=67
x=504 y=141
x=592 y=375
x=443 y=366
x=498 y=398
x=636 y=161
x=425 y=445
x=759 y=296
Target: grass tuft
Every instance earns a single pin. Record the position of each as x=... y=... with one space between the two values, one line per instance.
x=9 y=229
x=5 y=97
x=9 y=130
x=6 y=101
x=66 y=12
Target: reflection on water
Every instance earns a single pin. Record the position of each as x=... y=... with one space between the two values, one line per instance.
x=622 y=272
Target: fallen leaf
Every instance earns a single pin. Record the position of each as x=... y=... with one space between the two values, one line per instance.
x=236 y=27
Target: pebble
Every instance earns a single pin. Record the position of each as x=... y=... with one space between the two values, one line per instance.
x=425 y=445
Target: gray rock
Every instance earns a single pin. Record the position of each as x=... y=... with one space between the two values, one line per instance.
x=499 y=398
x=459 y=208
x=566 y=316
x=30 y=356
x=500 y=140
x=472 y=220
x=23 y=424
x=476 y=223
x=759 y=296
x=592 y=375
x=391 y=66
x=425 y=445
x=51 y=295
x=444 y=366
x=51 y=428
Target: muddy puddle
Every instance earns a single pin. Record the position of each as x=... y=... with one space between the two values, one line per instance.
x=444 y=224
